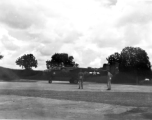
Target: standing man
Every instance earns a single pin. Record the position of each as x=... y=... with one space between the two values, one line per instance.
x=109 y=77
x=80 y=78
x=52 y=74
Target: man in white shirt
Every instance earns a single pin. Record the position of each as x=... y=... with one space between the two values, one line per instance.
x=109 y=77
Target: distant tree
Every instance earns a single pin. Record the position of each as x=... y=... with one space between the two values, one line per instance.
x=48 y=64
x=105 y=66
x=76 y=65
x=61 y=60
x=132 y=60
x=135 y=59
x=1 y=56
x=27 y=61
x=113 y=63
x=114 y=58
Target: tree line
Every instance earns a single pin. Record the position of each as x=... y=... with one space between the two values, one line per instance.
x=28 y=61
x=132 y=59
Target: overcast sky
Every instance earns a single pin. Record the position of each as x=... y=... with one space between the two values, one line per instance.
x=89 y=30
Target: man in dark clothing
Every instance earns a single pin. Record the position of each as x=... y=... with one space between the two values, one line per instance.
x=80 y=77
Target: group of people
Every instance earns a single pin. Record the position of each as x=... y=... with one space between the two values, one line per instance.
x=81 y=78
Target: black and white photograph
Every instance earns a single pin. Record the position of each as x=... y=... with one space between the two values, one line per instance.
x=76 y=59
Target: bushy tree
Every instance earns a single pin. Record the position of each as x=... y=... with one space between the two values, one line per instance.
x=1 y=56
x=76 y=65
x=134 y=59
x=61 y=60
x=113 y=58
x=27 y=61
x=131 y=58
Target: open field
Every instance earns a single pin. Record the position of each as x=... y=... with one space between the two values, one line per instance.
x=64 y=101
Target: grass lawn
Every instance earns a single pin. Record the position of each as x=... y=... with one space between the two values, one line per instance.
x=62 y=101
x=116 y=98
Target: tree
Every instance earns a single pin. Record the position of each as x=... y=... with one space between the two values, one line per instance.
x=61 y=60
x=1 y=56
x=136 y=60
x=113 y=63
x=76 y=65
x=132 y=60
x=27 y=61
x=113 y=58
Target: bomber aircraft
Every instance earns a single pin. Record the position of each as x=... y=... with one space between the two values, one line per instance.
x=71 y=74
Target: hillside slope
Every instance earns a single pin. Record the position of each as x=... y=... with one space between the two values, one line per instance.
x=16 y=74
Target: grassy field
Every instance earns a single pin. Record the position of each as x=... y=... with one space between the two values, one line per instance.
x=62 y=101
x=116 y=98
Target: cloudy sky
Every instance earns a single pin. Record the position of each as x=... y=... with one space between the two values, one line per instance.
x=89 y=30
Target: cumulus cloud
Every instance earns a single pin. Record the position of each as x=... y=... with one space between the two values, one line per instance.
x=9 y=44
x=107 y=2
x=89 y=30
x=96 y=63
x=139 y=13
x=135 y=21
x=20 y=14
